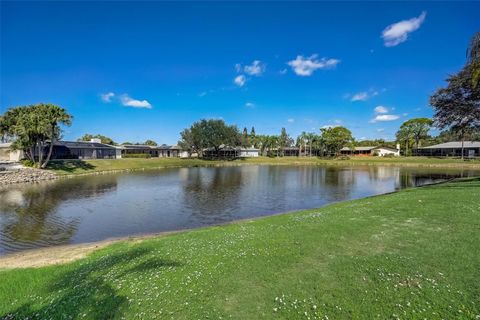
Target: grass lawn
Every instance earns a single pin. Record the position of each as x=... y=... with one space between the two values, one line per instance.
x=414 y=254
x=70 y=167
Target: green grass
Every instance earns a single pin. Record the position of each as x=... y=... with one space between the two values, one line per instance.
x=414 y=254
x=73 y=167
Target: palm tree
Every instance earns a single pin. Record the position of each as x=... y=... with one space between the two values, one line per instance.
x=310 y=138
x=302 y=141
x=55 y=116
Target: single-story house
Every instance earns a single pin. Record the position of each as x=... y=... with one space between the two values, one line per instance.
x=249 y=152
x=230 y=152
x=7 y=154
x=371 y=150
x=451 y=149
x=83 y=150
x=163 y=151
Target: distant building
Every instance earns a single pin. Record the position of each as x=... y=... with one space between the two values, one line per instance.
x=371 y=151
x=451 y=149
x=83 y=150
x=163 y=151
x=228 y=152
x=7 y=154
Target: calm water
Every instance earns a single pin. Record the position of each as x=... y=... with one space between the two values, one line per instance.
x=92 y=208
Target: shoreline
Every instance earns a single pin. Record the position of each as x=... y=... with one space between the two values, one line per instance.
x=61 y=254
x=167 y=163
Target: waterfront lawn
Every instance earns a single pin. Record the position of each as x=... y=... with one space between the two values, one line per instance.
x=69 y=167
x=411 y=255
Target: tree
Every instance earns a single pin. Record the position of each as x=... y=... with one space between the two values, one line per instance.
x=35 y=129
x=245 y=139
x=336 y=138
x=458 y=105
x=253 y=138
x=103 y=139
x=209 y=134
x=150 y=143
x=405 y=135
x=473 y=58
x=284 y=141
x=302 y=142
x=415 y=129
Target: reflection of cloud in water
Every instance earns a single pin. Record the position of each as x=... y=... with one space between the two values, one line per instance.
x=98 y=207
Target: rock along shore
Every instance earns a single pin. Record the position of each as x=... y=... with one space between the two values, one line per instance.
x=25 y=175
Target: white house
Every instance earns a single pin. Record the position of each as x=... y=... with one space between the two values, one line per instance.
x=383 y=151
x=249 y=152
x=7 y=154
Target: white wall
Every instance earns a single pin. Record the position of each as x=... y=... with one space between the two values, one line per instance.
x=249 y=153
x=381 y=152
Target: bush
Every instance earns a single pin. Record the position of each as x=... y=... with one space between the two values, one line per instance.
x=342 y=158
x=137 y=155
x=389 y=155
x=28 y=163
x=3 y=169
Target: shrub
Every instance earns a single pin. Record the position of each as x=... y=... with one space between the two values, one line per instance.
x=28 y=163
x=342 y=158
x=3 y=169
x=137 y=155
x=389 y=155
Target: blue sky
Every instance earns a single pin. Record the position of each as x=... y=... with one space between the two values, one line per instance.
x=146 y=70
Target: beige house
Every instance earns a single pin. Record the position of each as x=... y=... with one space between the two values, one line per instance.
x=7 y=154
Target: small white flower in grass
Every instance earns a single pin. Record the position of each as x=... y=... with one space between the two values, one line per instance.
x=314 y=307
x=275 y=309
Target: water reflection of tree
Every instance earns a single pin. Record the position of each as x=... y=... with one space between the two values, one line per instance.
x=340 y=181
x=412 y=177
x=211 y=193
x=28 y=213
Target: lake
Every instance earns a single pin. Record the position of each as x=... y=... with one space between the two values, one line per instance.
x=92 y=208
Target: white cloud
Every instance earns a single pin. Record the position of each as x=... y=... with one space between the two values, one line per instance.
x=238 y=67
x=398 y=32
x=283 y=71
x=381 y=109
x=255 y=69
x=385 y=117
x=250 y=105
x=129 y=102
x=337 y=121
x=202 y=94
x=291 y=120
x=380 y=130
x=240 y=80
x=107 y=97
x=307 y=66
x=361 y=96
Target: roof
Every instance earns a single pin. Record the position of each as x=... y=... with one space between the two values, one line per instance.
x=144 y=146
x=137 y=146
x=455 y=144
x=358 y=148
x=83 y=145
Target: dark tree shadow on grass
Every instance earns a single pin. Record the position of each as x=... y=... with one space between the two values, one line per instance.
x=85 y=289
x=70 y=165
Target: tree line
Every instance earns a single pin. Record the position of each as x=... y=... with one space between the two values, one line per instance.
x=35 y=128
x=212 y=134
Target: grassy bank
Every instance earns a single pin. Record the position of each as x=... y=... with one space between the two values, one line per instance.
x=410 y=255
x=73 y=167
